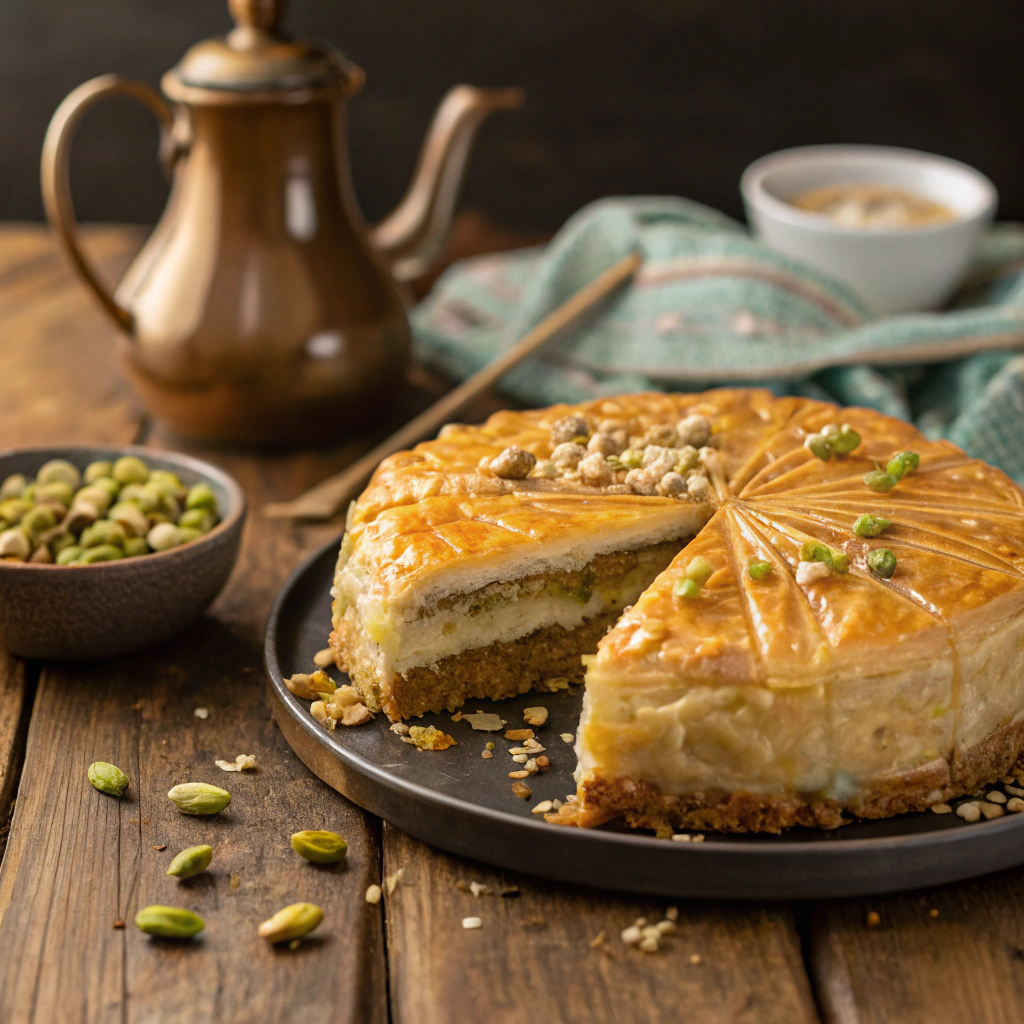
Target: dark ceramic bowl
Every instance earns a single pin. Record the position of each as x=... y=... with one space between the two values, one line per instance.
x=80 y=612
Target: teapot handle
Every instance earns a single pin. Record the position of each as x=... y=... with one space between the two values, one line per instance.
x=60 y=211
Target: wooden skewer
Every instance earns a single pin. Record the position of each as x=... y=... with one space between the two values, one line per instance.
x=325 y=499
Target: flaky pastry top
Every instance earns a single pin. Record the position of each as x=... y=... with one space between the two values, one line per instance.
x=957 y=535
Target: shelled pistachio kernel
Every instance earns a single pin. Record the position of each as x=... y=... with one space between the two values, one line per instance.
x=812 y=551
x=758 y=568
x=870 y=526
x=882 y=562
x=37 y=520
x=699 y=570
x=319 y=847
x=13 y=486
x=101 y=467
x=200 y=519
x=147 y=499
x=14 y=543
x=686 y=588
x=58 y=538
x=201 y=496
x=291 y=922
x=103 y=531
x=881 y=481
x=846 y=441
x=58 y=470
x=135 y=547
x=902 y=463
x=96 y=497
x=199 y=798
x=163 y=537
x=163 y=481
x=130 y=518
x=69 y=554
x=130 y=469
x=819 y=446
x=632 y=458
x=12 y=509
x=58 y=492
x=107 y=778
x=169 y=922
x=101 y=553
x=192 y=861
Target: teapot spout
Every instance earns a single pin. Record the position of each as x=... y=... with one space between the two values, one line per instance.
x=411 y=236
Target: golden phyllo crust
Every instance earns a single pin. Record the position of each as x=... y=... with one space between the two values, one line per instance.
x=782 y=669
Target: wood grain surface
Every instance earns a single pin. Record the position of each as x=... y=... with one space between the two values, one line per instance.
x=941 y=956
x=15 y=702
x=77 y=862
x=540 y=954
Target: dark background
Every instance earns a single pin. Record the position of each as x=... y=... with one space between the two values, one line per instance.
x=623 y=96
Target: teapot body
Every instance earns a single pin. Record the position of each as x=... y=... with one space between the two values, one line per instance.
x=262 y=309
x=260 y=312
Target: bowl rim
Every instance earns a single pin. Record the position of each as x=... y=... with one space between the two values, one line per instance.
x=756 y=196
x=190 y=462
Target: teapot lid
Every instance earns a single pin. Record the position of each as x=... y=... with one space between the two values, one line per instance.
x=256 y=59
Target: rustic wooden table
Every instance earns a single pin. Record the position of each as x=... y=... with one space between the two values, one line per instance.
x=75 y=864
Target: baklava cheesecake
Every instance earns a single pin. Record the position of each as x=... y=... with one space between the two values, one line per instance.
x=786 y=612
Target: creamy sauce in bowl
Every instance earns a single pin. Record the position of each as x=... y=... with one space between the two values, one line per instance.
x=879 y=207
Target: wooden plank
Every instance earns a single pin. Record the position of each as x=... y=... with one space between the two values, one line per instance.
x=15 y=693
x=533 y=957
x=963 y=964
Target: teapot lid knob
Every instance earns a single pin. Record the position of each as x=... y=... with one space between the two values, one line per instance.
x=264 y=14
x=256 y=62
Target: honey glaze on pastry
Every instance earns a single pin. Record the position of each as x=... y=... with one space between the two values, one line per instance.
x=813 y=611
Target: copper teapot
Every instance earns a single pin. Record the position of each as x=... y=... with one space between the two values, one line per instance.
x=262 y=309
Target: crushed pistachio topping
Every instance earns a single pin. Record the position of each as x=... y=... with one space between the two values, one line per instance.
x=902 y=463
x=758 y=568
x=700 y=570
x=832 y=440
x=882 y=562
x=662 y=461
x=880 y=481
x=309 y=687
x=812 y=551
x=696 y=574
x=870 y=526
x=569 y=427
x=345 y=705
x=513 y=463
x=242 y=763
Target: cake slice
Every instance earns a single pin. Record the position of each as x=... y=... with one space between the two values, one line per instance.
x=789 y=690
x=486 y=562
x=453 y=598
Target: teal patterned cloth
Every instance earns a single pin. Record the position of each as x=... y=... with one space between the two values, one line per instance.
x=712 y=306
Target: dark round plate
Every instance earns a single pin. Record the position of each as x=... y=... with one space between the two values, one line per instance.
x=463 y=803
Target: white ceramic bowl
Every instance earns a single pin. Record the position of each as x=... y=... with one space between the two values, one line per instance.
x=892 y=270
